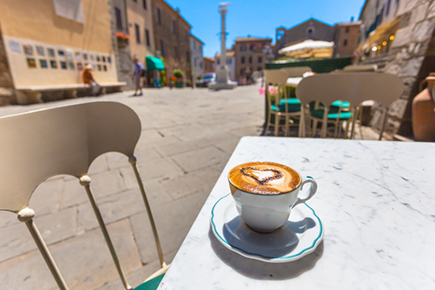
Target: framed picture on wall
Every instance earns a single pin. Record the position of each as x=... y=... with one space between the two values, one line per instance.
x=14 y=46
x=78 y=55
x=91 y=57
x=28 y=49
x=79 y=66
x=103 y=58
x=50 y=52
x=99 y=67
x=53 y=64
x=71 y=65
x=63 y=65
x=31 y=63
x=43 y=63
x=40 y=51
x=61 y=53
x=109 y=59
x=104 y=67
x=98 y=58
x=85 y=56
x=69 y=54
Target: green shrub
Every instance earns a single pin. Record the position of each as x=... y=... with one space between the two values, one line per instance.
x=178 y=73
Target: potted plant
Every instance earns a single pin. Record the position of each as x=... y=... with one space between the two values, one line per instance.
x=122 y=39
x=178 y=74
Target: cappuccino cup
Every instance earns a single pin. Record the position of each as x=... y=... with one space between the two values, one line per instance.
x=266 y=192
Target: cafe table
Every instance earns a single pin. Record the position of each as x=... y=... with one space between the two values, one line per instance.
x=375 y=208
x=293 y=81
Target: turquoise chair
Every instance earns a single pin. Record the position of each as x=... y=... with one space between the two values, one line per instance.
x=65 y=140
x=284 y=110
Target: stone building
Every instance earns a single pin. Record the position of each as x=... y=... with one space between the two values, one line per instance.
x=399 y=37
x=250 y=52
x=231 y=63
x=197 y=57
x=310 y=29
x=208 y=65
x=47 y=43
x=346 y=37
x=140 y=25
x=171 y=37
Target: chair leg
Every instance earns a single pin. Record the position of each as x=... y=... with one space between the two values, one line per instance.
x=314 y=127
x=277 y=119
x=26 y=215
x=324 y=123
x=85 y=181
x=133 y=163
x=287 y=126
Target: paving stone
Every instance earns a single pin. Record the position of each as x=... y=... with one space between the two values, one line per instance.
x=17 y=240
x=173 y=222
x=159 y=168
x=200 y=181
x=85 y=262
x=201 y=158
x=98 y=165
x=73 y=194
x=46 y=197
x=106 y=183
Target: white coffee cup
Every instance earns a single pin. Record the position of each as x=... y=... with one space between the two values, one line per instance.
x=268 y=212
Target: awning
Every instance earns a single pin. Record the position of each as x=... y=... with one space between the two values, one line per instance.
x=154 y=63
x=381 y=34
x=309 y=48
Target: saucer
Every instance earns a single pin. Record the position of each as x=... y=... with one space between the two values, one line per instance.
x=299 y=236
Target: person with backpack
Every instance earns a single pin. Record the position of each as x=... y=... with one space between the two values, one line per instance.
x=139 y=72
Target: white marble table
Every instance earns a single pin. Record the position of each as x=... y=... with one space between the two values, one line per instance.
x=376 y=201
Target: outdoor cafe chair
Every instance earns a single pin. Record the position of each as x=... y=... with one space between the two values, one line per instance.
x=65 y=140
x=355 y=88
x=297 y=71
x=281 y=106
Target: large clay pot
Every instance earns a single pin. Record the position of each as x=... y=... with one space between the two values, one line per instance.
x=423 y=112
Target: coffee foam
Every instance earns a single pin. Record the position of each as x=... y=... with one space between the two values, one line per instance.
x=264 y=178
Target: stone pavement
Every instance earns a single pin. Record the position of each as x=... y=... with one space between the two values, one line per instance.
x=187 y=137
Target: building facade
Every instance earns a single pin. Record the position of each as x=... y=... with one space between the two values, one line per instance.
x=399 y=37
x=346 y=38
x=249 y=53
x=47 y=43
x=171 y=38
x=140 y=28
x=197 y=57
x=208 y=65
x=231 y=63
x=310 y=29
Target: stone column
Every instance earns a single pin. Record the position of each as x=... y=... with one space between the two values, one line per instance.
x=222 y=74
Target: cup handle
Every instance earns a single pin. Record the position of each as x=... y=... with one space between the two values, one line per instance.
x=312 y=191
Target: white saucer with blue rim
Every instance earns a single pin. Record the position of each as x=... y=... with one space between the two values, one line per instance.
x=299 y=236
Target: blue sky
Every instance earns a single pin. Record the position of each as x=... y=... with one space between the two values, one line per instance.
x=259 y=17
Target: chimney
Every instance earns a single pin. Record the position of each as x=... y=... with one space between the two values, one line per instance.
x=351 y=19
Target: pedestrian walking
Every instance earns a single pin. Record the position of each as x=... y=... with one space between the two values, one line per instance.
x=139 y=72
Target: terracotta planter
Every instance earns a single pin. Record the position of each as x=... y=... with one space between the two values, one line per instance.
x=423 y=112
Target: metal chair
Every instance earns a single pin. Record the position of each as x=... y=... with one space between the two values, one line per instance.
x=282 y=106
x=65 y=140
x=353 y=87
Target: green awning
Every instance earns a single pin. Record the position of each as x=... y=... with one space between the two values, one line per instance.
x=154 y=63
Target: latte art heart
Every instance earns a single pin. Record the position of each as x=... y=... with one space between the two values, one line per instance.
x=259 y=176
x=264 y=178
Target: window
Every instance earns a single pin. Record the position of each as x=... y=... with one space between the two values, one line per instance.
x=188 y=56
x=310 y=30
x=250 y=59
x=175 y=51
x=218 y=61
x=200 y=65
x=345 y=42
x=174 y=27
x=136 y=29
x=251 y=47
x=243 y=48
x=242 y=71
x=144 y=2
x=159 y=18
x=118 y=19
x=260 y=59
x=229 y=61
x=162 y=49
x=243 y=59
x=147 y=37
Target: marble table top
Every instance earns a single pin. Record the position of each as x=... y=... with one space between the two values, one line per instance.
x=376 y=201
x=293 y=82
